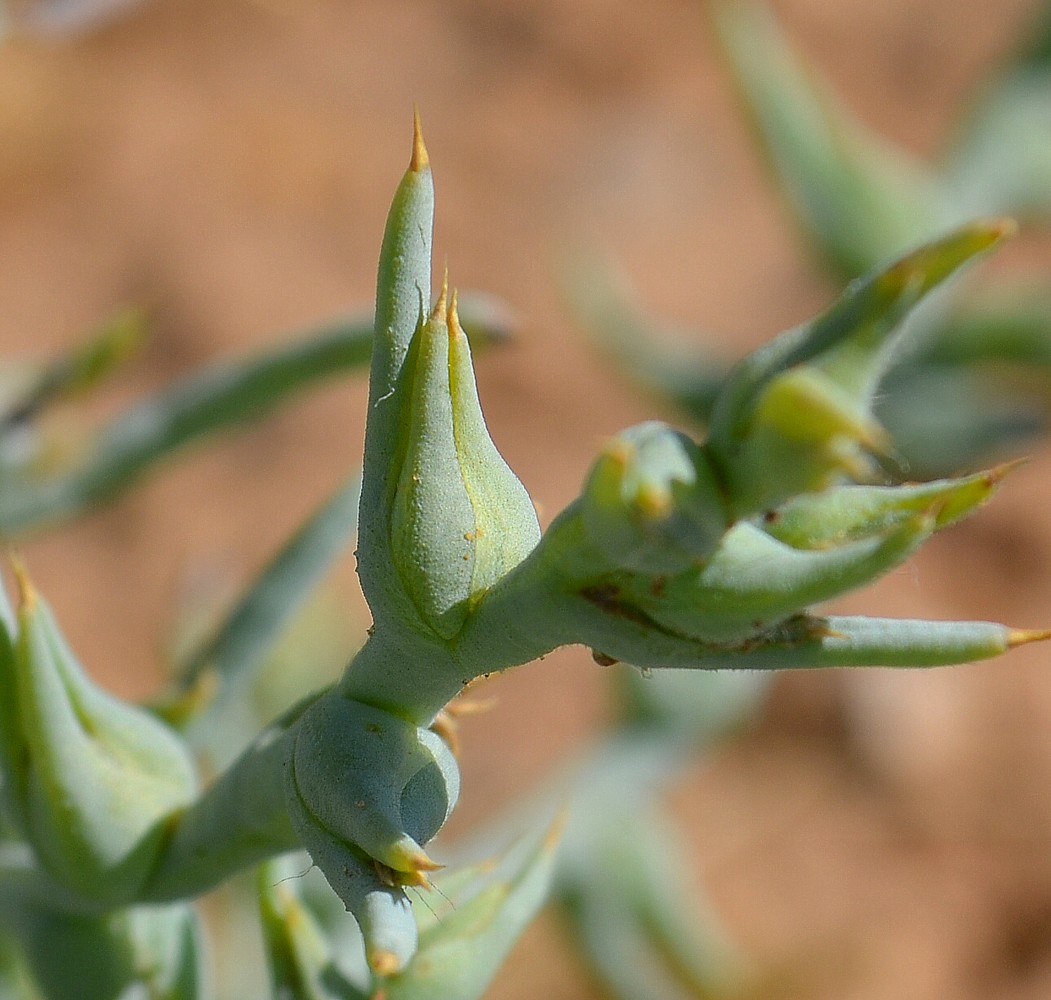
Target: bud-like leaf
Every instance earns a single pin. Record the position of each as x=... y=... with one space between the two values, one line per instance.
x=807 y=433
x=99 y=780
x=652 y=503
x=402 y=295
x=366 y=791
x=804 y=400
x=460 y=519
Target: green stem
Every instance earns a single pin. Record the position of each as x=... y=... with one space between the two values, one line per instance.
x=405 y=674
x=240 y=821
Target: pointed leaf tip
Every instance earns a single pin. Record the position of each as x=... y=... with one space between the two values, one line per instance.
x=384 y=963
x=420 y=158
x=452 y=316
x=27 y=595
x=441 y=308
x=1003 y=228
x=416 y=863
x=1024 y=636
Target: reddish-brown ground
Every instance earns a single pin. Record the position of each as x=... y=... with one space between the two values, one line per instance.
x=229 y=163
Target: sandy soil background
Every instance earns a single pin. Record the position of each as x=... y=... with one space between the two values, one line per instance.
x=230 y=163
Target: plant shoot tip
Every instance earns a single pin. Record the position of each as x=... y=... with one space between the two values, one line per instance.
x=1003 y=228
x=1024 y=636
x=420 y=158
x=27 y=595
x=441 y=308
x=384 y=963
x=420 y=863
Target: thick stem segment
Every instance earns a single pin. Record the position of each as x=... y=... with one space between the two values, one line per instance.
x=406 y=675
x=240 y=821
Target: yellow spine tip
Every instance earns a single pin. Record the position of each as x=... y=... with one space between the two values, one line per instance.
x=1023 y=636
x=1002 y=229
x=653 y=501
x=409 y=860
x=420 y=159
x=441 y=307
x=453 y=317
x=619 y=452
x=384 y=963
x=420 y=863
x=27 y=595
x=994 y=475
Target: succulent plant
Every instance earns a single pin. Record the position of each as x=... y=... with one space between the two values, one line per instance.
x=676 y=554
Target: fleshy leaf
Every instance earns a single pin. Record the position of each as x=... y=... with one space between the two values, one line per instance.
x=100 y=779
x=837 y=516
x=753 y=581
x=849 y=347
x=366 y=791
x=651 y=502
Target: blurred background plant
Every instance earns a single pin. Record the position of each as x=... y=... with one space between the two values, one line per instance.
x=61 y=16
x=974 y=385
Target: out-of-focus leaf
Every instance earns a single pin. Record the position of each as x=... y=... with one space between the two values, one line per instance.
x=948 y=419
x=859 y=199
x=693 y=711
x=62 y=17
x=464 y=943
x=1001 y=326
x=12 y=747
x=238 y=649
x=222 y=395
x=82 y=368
x=13 y=982
x=1001 y=159
x=643 y=932
x=660 y=359
x=1003 y=163
x=299 y=954
x=204 y=403
x=153 y=951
